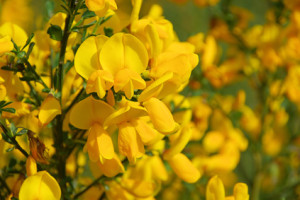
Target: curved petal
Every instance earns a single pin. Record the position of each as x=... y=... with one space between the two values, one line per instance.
x=127 y=113
x=87 y=56
x=147 y=133
x=155 y=88
x=123 y=51
x=6 y=44
x=40 y=186
x=111 y=167
x=15 y=32
x=178 y=145
x=99 y=144
x=160 y=116
x=49 y=109
x=99 y=82
x=128 y=81
x=88 y=111
x=215 y=189
x=184 y=168
x=129 y=142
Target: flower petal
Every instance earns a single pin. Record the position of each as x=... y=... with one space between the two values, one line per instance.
x=123 y=51
x=129 y=142
x=184 y=168
x=49 y=109
x=87 y=56
x=88 y=111
x=111 y=167
x=215 y=189
x=160 y=116
x=40 y=186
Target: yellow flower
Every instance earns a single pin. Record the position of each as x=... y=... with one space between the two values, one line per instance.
x=160 y=116
x=6 y=44
x=90 y=114
x=15 y=32
x=184 y=168
x=31 y=167
x=49 y=109
x=131 y=130
x=121 y=68
x=100 y=7
x=215 y=189
x=40 y=186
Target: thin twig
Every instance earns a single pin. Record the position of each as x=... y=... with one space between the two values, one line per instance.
x=3 y=183
x=88 y=187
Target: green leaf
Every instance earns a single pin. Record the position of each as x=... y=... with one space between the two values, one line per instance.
x=49 y=5
x=28 y=41
x=15 y=45
x=66 y=9
x=10 y=149
x=6 y=138
x=67 y=66
x=27 y=78
x=21 y=54
x=13 y=128
x=2 y=103
x=88 y=14
x=55 y=32
x=108 y=32
x=46 y=90
x=12 y=162
x=21 y=132
x=84 y=26
x=10 y=110
x=30 y=49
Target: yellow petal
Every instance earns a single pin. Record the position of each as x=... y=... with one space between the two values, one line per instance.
x=40 y=186
x=128 y=81
x=147 y=133
x=88 y=111
x=184 y=168
x=178 y=145
x=99 y=82
x=6 y=44
x=139 y=188
x=158 y=168
x=128 y=52
x=31 y=167
x=155 y=88
x=87 y=56
x=213 y=141
x=137 y=4
x=215 y=189
x=129 y=142
x=95 y=5
x=240 y=191
x=126 y=113
x=160 y=116
x=153 y=37
x=111 y=167
x=2 y=92
x=15 y=32
x=49 y=109
x=99 y=144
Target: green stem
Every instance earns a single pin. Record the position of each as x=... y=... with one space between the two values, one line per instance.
x=38 y=77
x=88 y=187
x=258 y=177
x=3 y=183
x=58 y=129
x=14 y=141
x=75 y=100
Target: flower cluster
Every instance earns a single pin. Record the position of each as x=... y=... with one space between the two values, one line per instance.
x=103 y=101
